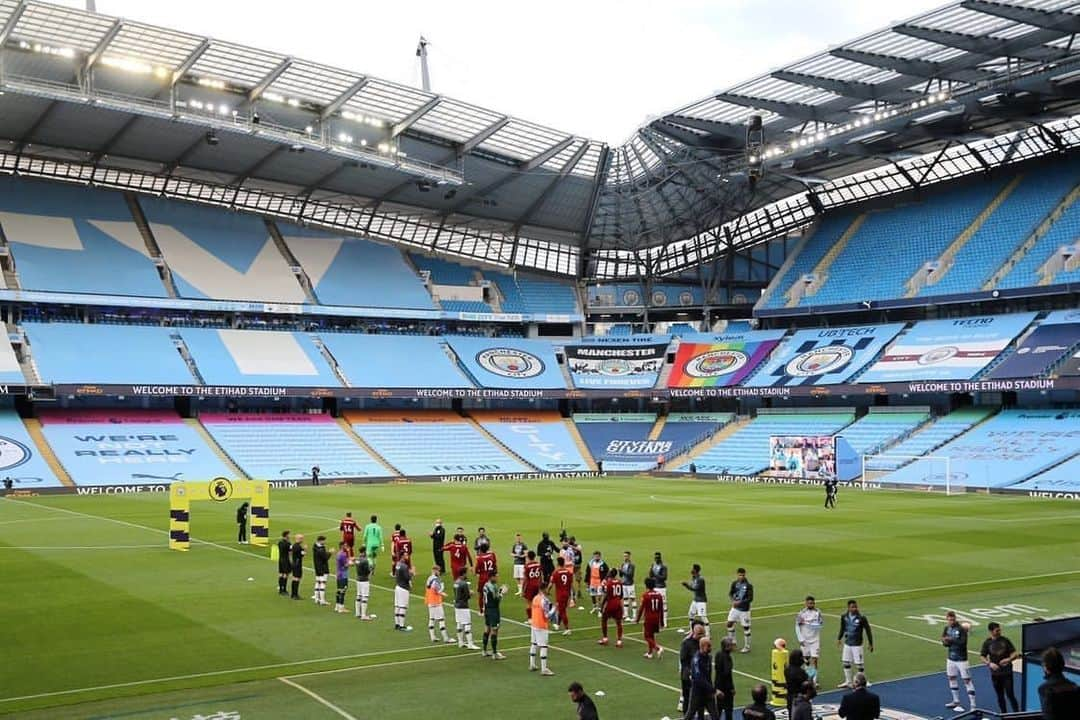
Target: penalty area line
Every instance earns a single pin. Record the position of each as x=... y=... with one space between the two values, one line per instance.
x=318 y=698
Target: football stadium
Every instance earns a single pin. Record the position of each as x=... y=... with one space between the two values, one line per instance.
x=327 y=396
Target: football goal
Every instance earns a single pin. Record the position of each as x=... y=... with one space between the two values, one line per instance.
x=931 y=473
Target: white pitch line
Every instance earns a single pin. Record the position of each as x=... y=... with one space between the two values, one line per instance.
x=26 y=520
x=616 y=668
x=356 y=668
x=318 y=698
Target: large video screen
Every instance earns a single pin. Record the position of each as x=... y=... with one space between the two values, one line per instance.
x=806 y=457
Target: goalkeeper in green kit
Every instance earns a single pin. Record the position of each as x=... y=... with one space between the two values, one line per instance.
x=373 y=540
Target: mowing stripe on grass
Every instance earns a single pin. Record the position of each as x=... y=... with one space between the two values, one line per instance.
x=157 y=546
x=318 y=698
x=394 y=663
x=616 y=668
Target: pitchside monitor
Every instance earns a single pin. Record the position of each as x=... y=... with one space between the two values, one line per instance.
x=806 y=457
x=1036 y=637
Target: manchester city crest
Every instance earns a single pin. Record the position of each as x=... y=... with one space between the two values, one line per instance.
x=12 y=453
x=715 y=363
x=631 y=297
x=510 y=363
x=819 y=361
x=686 y=298
x=615 y=366
x=937 y=355
x=659 y=298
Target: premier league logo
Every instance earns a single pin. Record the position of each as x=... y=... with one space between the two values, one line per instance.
x=12 y=453
x=819 y=361
x=221 y=489
x=510 y=363
x=715 y=363
x=938 y=355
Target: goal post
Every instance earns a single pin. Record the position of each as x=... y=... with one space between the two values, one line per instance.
x=219 y=490
x=923 y=472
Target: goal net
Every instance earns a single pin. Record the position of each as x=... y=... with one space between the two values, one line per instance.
x=931 y=473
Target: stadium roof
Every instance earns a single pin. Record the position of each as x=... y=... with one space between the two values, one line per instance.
x=95 y=99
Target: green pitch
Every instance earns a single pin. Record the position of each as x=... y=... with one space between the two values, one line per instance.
x=100 y=618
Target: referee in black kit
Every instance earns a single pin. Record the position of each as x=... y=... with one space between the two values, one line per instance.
x=438 y=540
x=284 y=563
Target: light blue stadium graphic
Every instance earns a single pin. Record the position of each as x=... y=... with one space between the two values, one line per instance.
x=70 y=353
x=949 y=349
x=509 y=363
x=1007 y=449
x=133 y=453
x=394 y=361
x=547 y=446
x=19 y=458
x=75 y=239
x=288 y=450
x=437 y=449
x=10 y=372
x=257 y=357
x=1062 y=478
x=746 y=452
x=216 y=254
x=353 y=272
x=823 y=356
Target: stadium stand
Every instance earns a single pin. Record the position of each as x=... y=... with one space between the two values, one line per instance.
x=286 y=446
x=445 y=272
x=350 y=271
x=10 y=372
x=1038 y=192
x=1007 y=449
x=149 y=354
x=922 y=229
x=540 y=438
x=1053 y=339
x=257 y=357
x=468 y=306
x=818 y=244
x=22 y=462
x=1061 y=478
x=393 y=361
x=544 y=296
x=683 y=431
x=949 y=349
x=746 y=451
x=507 y=363
x=932 y=436
x=215 y=254
x=129 y=447
x=880 y=428
x=1064 y=231
x=72 y=239
x=620 y=440
x=431 y=443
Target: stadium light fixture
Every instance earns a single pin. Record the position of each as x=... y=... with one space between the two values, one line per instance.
x=223 y=109
x=309 y=129
x=212 y=83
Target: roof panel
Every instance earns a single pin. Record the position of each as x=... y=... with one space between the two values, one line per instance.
x=559 y=159
x=388 y=101
x=589 y=162
x=522 y=140
x=61 y=27
x=770 y=88
x=904 y=46
x=305 y=80
x=236 y=64
x=455 y=120
x=153 y=46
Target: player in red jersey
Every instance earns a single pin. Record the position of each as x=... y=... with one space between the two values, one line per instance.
x=486 y=566
x=458 y=549
x=611 y=607
x=534 y=574
x=652 y=607
x=395 y=547
x=563 y=581
x=348 y=532
x=404 y=543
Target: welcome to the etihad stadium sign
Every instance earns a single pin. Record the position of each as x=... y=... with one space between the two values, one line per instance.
x=922 y=387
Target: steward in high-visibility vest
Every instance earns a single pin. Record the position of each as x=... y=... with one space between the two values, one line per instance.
x=779 y=682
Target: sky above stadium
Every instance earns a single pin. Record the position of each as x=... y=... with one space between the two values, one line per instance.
x=597 y=68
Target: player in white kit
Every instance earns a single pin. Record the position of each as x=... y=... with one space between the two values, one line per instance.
x=808 y=624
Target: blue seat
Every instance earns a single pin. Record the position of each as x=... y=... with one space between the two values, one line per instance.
x=148 y=354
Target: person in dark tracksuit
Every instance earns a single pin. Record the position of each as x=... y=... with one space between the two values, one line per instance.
x=241 y=523
x=702 y=689
x=725 y=679
x=297 y=554
x=687 y=648
x=284 y=563
x=438 y=540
